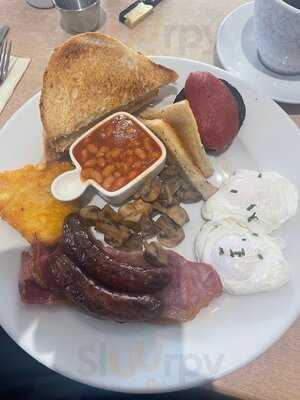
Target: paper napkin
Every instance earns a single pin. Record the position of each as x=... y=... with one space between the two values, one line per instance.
x=16 y=70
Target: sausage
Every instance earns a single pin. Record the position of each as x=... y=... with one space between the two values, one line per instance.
x=102 y=303
x=107 y=270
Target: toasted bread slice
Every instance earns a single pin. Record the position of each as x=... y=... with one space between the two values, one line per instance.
x=169 y=137
x=89 y=77
x=57 y=148
x=180 y=116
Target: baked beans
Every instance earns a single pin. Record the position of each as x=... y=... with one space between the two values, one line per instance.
x=115 y=153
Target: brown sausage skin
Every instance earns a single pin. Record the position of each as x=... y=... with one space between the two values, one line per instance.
x=102 y=303
x=104 y=268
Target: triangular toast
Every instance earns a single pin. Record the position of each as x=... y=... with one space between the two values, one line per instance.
x=89 y=77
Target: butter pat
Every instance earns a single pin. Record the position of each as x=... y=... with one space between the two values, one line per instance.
x=138 y=14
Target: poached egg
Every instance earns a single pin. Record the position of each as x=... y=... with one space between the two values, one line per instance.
x=246 y=262
x=260 y=201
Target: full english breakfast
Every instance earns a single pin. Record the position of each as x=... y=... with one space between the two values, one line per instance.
x=113 y=261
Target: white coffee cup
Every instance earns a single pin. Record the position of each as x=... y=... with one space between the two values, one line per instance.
x=277 y=29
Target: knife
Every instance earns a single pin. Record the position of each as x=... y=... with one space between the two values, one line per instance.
x=137 y=11
x=3 y=32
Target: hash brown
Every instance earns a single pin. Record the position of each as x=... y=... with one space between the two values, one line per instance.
x=27 y=204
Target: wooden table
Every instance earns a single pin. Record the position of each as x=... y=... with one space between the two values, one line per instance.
x=179 y=28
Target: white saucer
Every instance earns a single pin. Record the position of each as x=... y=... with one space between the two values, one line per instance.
x=237 y=53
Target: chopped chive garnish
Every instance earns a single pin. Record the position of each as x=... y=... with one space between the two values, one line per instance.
x=255 y=234
x=251 y=207
x=233 y=191
x=240 y=253
x=260 y=256
x=221 y=251
x=253 y=217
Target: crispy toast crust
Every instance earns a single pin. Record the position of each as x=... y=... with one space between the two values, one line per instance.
x=92 y=75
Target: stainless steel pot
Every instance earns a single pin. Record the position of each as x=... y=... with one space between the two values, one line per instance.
x=79 y=15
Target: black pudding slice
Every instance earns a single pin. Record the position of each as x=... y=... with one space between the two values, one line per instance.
x=235 y=93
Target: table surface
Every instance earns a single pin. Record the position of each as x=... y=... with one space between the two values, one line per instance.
x=177 y=28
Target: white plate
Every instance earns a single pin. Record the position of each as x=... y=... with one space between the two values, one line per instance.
x=228 y=334
x=236 y=48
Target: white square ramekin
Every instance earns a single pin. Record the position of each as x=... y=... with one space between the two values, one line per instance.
x=69 y=185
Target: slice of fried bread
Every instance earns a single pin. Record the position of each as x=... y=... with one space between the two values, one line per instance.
x=170 y=138
x=180 y=116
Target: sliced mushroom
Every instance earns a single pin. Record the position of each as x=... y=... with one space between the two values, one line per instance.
x=135 y=211
x=155 y=254
x=187 y=194
x=115 y=235
x=90 y=213
x=169 y=189
x=109 y=214
x=148 y=228
x=160 y=208
x=151 y=190
x=175 y=184
x=166 y=197
x=137 y=195
x=188 y=197
x=135 y=243
x=170 y=234
x=178 y=215
x=170 y=171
